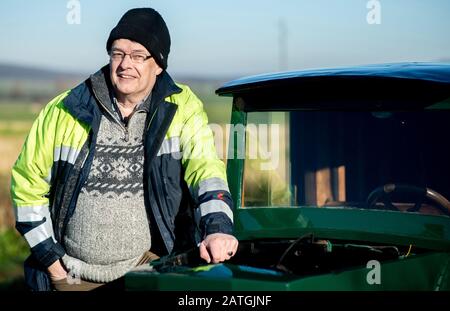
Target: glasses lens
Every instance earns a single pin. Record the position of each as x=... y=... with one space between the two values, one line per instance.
x=135 y=58
x=138 y=58
x=117 y=55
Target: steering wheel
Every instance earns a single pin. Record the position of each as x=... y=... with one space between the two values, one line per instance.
x=384 y=194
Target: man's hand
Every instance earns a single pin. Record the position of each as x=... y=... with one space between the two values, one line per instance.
x=56 y=271
x=218 y=247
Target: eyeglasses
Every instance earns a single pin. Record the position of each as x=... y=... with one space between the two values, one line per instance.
x=136 y=57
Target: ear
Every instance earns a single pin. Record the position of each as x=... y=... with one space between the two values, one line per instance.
x=158 y=71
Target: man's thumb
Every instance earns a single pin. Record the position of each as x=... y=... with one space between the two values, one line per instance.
x=204 y=253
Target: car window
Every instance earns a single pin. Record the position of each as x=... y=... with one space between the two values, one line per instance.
x=336 y=158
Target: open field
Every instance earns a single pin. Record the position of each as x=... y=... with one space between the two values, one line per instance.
x=16 y=118
x=13 y=252
x=15 y=121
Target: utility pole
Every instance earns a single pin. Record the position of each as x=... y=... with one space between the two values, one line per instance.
x=282 y=45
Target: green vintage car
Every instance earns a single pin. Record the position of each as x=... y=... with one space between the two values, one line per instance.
x=340 y=179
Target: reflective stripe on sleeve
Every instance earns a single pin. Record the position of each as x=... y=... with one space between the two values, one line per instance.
x=65 y=153
x=210 y=184
x=31 y=213
x=170 y=146
x=212 y=206
x=39 y=234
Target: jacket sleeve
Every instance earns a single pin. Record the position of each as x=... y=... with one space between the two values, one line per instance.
x=204 y=172
x=30 y=185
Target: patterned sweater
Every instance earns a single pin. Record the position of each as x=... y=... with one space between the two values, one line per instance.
x=109 y=230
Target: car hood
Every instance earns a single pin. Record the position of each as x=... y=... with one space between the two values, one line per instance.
x=379 y=226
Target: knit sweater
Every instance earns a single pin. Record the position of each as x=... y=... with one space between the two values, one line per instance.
x=109 y=230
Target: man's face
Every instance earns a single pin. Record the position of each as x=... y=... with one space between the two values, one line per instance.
x=128 y=78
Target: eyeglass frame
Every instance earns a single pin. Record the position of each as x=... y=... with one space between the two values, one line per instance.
x=130 y=54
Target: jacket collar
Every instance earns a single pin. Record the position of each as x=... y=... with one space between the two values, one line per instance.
x=164 y=87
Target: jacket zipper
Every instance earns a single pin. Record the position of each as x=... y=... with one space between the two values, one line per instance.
x=162 y=194
x=151 y=119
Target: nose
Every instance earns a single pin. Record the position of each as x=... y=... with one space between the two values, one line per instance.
x=126 y=62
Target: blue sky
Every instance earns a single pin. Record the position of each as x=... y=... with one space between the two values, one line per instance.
x=232 y=37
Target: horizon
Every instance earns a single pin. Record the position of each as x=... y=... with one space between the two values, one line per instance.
x=192 y=76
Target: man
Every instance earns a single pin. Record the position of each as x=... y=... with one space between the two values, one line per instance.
x=120 y=164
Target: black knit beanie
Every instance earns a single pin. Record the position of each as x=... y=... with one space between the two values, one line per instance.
x=147 y=27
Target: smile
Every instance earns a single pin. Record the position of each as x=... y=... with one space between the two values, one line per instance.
x=125 y=76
